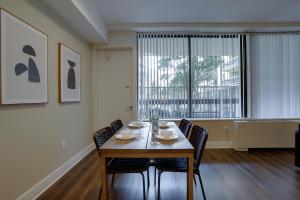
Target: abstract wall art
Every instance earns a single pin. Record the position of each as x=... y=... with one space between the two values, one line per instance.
x=23 y=62
x=69 y=73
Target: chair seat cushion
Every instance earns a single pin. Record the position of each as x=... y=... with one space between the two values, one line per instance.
x=128 y=165
x=171 y=164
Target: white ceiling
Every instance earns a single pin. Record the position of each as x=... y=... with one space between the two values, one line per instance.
x=197 y=11
x=92 y=18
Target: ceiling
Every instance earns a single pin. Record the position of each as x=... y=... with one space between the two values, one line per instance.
x=93 y=18
x=197 y=11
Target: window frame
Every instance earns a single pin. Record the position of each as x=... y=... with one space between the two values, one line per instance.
x=243 y=67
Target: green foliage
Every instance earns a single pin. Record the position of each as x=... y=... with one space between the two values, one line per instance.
x=204 y=70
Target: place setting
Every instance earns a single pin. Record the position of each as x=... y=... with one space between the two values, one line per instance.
x=163 y=124
x=137 y=124
x=128 y=135
x=162 y=133
x=167 y=135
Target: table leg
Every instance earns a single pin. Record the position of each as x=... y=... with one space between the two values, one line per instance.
x=190 y=194
x=105 y=194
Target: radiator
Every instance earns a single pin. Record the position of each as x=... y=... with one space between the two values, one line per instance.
x=263 y=134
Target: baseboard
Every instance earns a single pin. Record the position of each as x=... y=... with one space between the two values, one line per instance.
x=240 y=149
x=219 y=145
x=45 y=183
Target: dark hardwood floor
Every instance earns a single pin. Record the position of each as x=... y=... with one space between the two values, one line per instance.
x=227 y=174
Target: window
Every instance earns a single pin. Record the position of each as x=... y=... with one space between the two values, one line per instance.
x=189 y=75
x=275 y=75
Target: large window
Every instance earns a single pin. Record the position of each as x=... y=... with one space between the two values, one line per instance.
x=275 y=75
x=189 y=75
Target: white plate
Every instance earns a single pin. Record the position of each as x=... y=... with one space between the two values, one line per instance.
x=127 y=136
x=163 y=126
x=135 y=125
x=167 y=137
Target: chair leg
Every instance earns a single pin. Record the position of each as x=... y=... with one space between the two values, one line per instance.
x=195 y=179
x=112 y=180
x=159 y=175
x=144 y=194
x=100 y=192
x=202 y=188
x=155 y=175
x=148 y=179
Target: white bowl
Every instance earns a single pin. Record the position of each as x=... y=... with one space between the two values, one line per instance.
x=162 y=123
x=135 y=124
x=125 y=135
x=166 y=134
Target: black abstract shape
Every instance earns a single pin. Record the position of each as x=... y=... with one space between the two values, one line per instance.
x=29 y=50
x=33 y=73
x=20 y=69
x=71 y=75
x=71 y=63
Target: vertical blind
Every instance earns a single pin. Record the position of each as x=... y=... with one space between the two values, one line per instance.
x=215 y=67
x=275 y=75
x=162 y=77
x=189 y=75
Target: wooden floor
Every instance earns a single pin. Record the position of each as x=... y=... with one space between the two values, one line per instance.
x=226 y=174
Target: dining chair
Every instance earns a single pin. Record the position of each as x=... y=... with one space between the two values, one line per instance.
x=185 y=127
x=121 y=165
x=116 y=125
x=198 y=140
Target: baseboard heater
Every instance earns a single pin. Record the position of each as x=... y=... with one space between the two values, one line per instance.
x=297 y=147
x=263 y=134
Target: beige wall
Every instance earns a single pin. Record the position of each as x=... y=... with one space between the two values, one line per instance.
x=30 y=135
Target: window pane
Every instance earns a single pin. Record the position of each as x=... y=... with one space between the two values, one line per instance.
x=275 y=75
x=164 y=68
x=215 y=77
x=162 y=76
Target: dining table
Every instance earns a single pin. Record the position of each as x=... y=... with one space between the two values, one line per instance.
x=146 y=145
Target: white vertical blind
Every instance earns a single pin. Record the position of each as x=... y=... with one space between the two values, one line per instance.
x=275 y=75
x=161 y=57
x=216 y=76
x=164 y=63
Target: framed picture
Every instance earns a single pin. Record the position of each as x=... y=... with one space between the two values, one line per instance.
x=23 y=62
x=69 y=73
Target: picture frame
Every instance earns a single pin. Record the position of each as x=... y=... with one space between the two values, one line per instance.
x=24 y=62
x=69 y=74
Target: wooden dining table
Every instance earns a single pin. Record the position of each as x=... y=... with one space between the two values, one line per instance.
x=144 y=147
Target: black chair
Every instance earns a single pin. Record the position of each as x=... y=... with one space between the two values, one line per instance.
x=121 y=165
x=185 y=127
x=116 y=125
x=198 y=139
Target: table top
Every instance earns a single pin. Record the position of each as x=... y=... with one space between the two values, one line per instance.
x=144 y=141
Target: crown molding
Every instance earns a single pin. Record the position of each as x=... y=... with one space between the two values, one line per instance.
x=206 y=26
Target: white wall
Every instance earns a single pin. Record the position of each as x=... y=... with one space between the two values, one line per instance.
x=30 y=135
x=118 y=42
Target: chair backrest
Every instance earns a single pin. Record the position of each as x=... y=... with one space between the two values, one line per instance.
x=101 y=136
x=198 y=139
x=185 y=127
x=116 y=125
